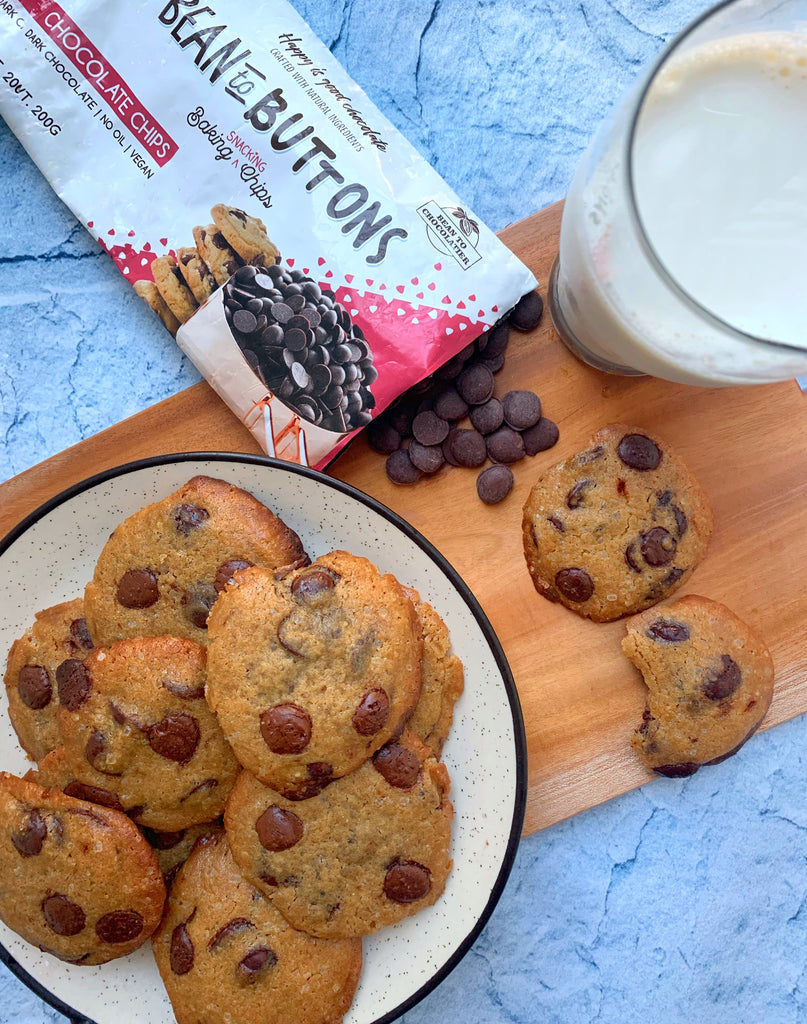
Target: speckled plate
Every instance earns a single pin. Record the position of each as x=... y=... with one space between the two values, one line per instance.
x=49 y=557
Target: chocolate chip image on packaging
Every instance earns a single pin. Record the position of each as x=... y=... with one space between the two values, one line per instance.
x=303 y=346
x=616 y=527
x=709 y=681
x=77 y=880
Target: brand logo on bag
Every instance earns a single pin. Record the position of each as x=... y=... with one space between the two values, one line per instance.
x=452 y=232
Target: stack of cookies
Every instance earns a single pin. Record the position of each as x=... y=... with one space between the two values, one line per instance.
x=612 y=531
x=181 y=285
x=239 y=748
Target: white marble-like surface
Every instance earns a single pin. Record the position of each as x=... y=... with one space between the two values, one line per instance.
x=682 y=902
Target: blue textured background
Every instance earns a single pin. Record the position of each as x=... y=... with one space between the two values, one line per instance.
x=683 y=902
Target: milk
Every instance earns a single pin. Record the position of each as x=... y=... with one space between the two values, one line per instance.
x=720 y=176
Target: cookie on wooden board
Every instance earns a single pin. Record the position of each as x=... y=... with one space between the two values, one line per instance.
x=709 y=679
x=616 y=527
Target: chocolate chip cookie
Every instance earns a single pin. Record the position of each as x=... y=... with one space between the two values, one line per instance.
x=709 y=679
x=58 y=637
x=310 y=674
x=134 y=721
x=247 y=235
x=162 y=569
x=616 y=527
x=225 y=953
x=443 y=679
x=369 y=850
x=76 y=880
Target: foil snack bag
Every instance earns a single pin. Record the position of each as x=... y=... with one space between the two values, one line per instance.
x=308 y=260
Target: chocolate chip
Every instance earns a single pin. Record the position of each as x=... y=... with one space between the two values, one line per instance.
x=428 y=458
x=162 y=840
x=372 y=712
x=188 y=517
x=468 y=448
x=383 y=437
x=475 y=384
x=181 y=951
x=311 y=584
x=576 y=496
x=505 y=445
x=494 y=484
x=450 y=405
x=80 y=635
x=137 y=588
x=428 y=428
x=575 y=584
x=557 y=522
x=527 y=312
x=234 y=927
x=723 y=681
x=681 y=522
x=487 y=417
x=319 y=770
x=406 y=881
x=399 y=765
x=197 y=602
x=96 y=751
x=73 y=684
x=278 y=829
x=522 y=409
x=286 y=728
x=93 y=795
x=668 y=630
x=255 y=962
x=62 y=915
x=225 y=574
x=119 y=926
x=34 y=687
x=28 y=842
x=495 y=341
x=677 y=771
x=631 y=558
x=175 y=738
x=400 y=468
x=658 y=546
x=185 y=691
x=639 y=452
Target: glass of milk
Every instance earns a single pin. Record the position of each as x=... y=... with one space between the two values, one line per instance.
x=683 y=248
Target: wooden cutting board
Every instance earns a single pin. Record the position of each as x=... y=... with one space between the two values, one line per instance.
x=581 y=698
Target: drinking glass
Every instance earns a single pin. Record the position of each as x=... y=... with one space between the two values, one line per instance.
x=683 y=245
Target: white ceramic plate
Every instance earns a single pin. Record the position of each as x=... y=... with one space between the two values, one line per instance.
x=49 y=557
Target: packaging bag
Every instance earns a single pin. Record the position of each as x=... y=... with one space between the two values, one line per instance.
x=308 y=260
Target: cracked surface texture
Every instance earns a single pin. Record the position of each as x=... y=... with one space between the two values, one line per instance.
x=683 y=902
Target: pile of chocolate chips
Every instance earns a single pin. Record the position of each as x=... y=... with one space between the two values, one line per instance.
x=421 y=431
x=303 y=345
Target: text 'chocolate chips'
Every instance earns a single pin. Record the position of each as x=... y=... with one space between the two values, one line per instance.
x=303 y=345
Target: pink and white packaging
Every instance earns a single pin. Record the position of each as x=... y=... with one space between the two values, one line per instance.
x=145 y=116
